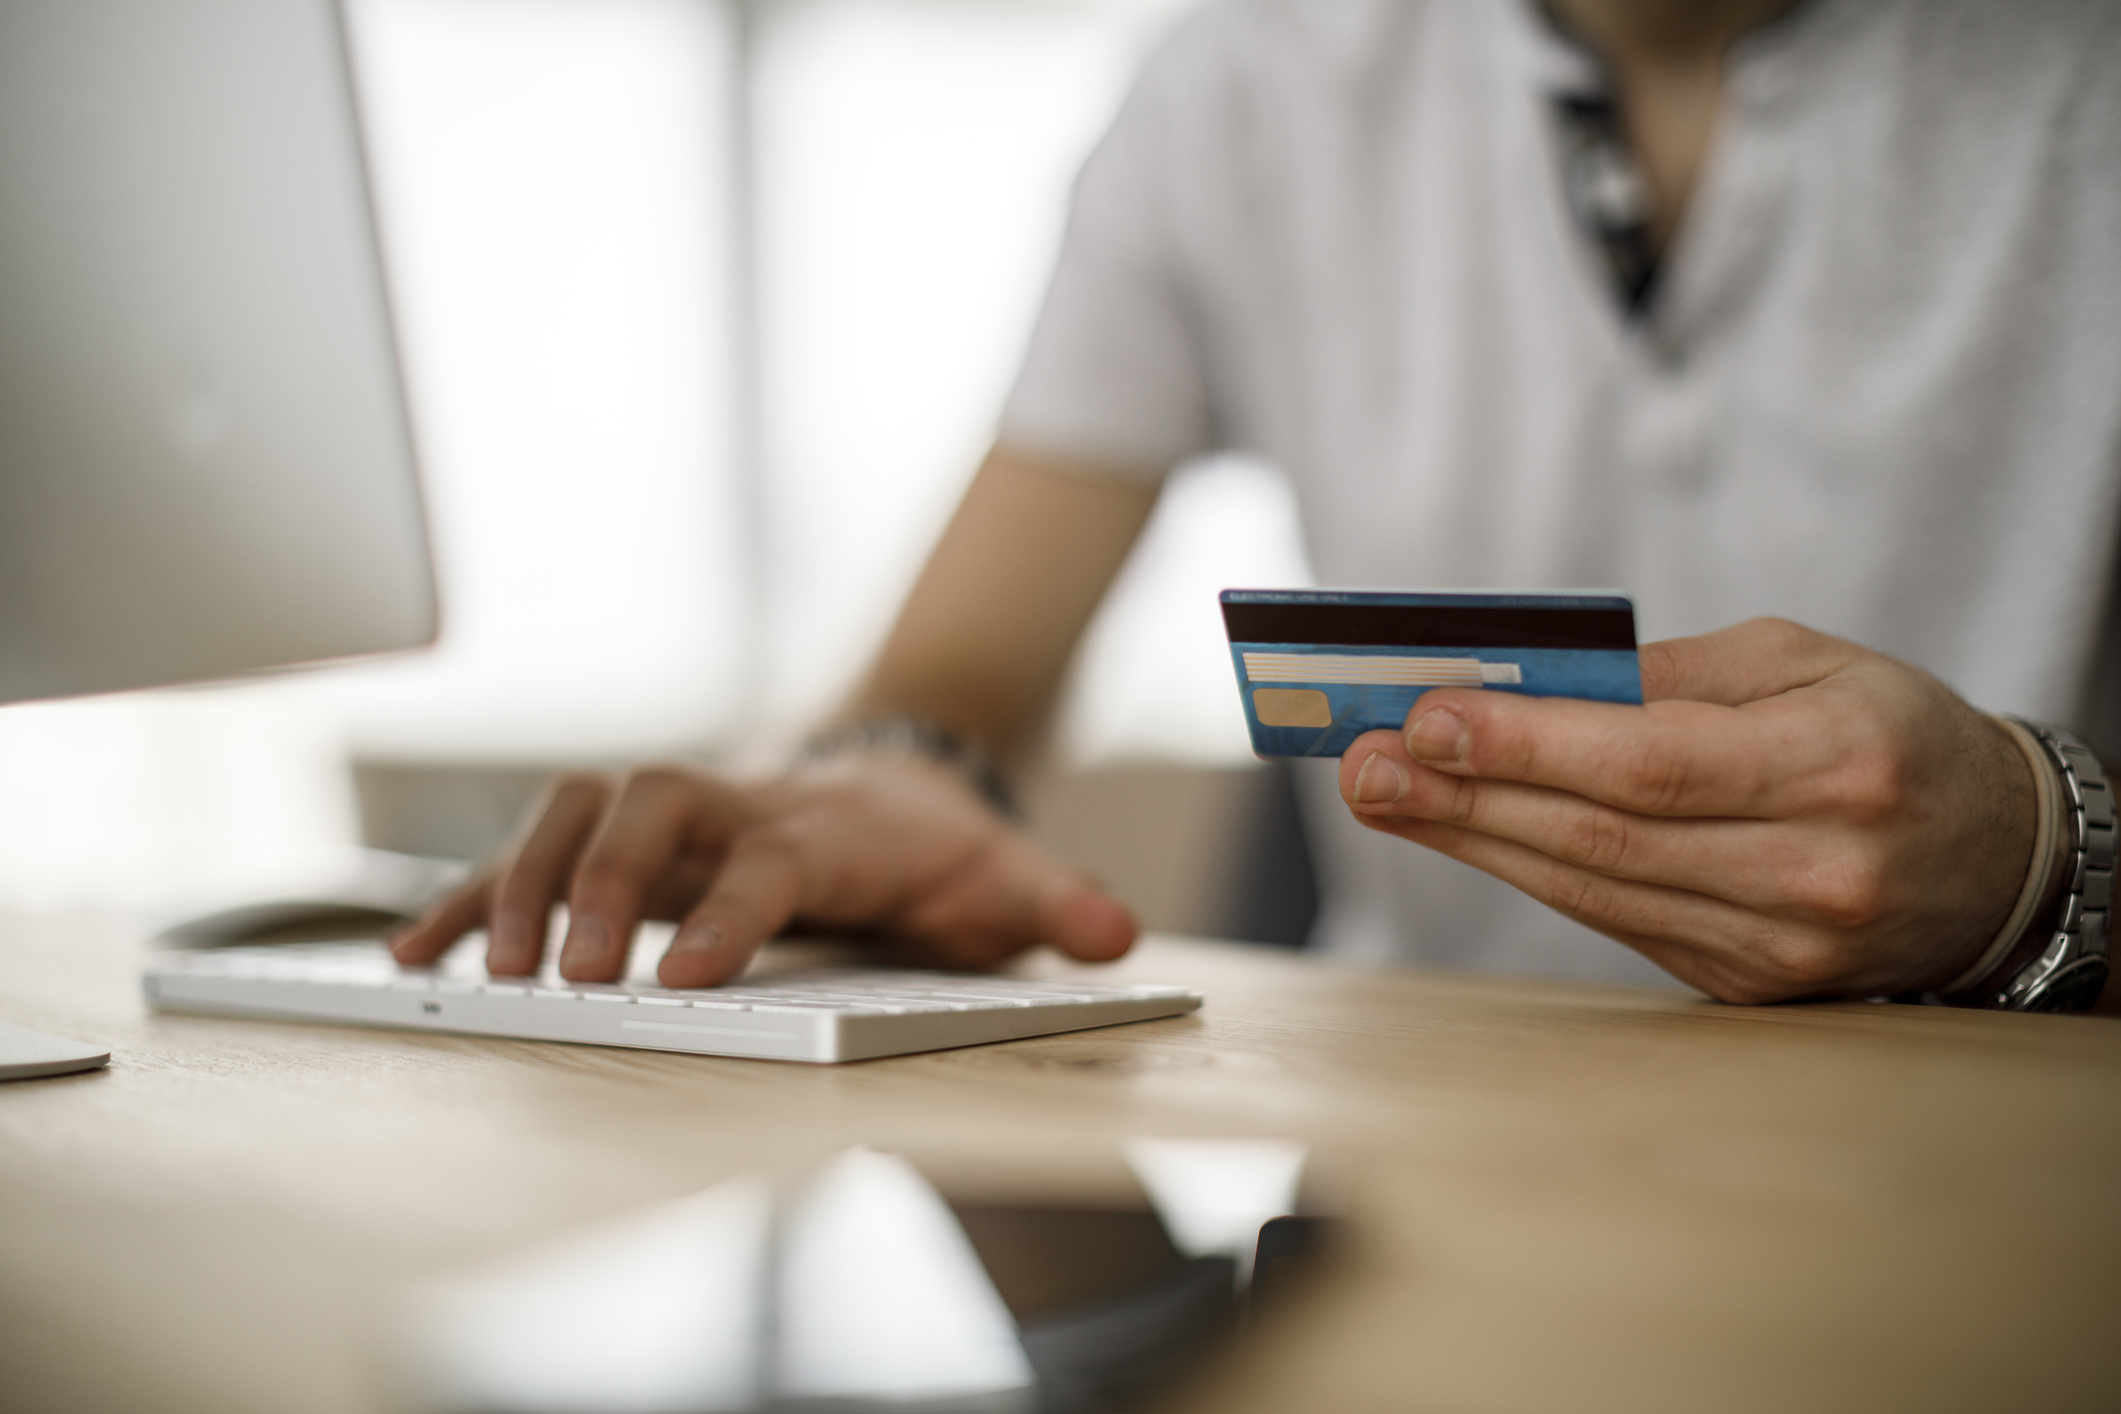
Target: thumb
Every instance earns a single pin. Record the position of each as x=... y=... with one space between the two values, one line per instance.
x=1087 y=923
x=1018 y=896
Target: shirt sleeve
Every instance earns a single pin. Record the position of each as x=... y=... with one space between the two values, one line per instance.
x=1113 y=375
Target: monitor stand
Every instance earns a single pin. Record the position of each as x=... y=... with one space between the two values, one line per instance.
x=26 y=1055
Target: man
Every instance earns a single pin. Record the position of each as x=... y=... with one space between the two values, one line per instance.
x=1748 y=307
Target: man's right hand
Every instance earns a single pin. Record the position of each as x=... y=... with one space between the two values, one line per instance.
x=897 y=848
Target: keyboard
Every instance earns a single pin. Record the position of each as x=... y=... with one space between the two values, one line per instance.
x=821 y=1015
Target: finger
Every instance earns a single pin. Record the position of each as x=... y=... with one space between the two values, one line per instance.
x=533 y=881
x=640 y=838
x=1062 y=907
x=1012 y=895
x=1715 y=738
x=758 y=891
x=1831 y=877
x=1747 y=662
x=1728 y=952
x=429 y=936
x=1767 y=760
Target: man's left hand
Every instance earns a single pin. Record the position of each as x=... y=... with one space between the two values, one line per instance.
x=1788 y=815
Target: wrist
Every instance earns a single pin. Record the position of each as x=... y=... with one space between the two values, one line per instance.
x=897 y=737
x=2051 y=954
x=2043 y=870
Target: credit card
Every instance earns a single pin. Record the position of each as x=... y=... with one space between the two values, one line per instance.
x=1319 y=667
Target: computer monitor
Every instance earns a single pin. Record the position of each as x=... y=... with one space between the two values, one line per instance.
x=205 y=462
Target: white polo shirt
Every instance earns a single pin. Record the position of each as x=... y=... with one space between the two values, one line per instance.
x=1878 y=391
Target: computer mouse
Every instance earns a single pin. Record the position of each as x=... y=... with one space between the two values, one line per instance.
x=379 y=891
x=284 y=921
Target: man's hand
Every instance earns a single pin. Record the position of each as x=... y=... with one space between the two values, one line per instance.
x=898 y=848
x=1790 y=815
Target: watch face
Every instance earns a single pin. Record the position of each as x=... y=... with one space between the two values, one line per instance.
x=2075 y=988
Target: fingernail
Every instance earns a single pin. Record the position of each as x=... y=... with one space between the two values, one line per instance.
x=1439 y=736
x=704 y=937
x=1380 y=780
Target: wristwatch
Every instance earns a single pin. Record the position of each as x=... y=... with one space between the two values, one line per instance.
x=2062 y=964
x=921 y=739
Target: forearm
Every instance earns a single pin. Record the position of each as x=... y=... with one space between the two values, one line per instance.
x=986 y=635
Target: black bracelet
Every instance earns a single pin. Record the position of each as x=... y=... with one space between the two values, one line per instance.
x=920 y=739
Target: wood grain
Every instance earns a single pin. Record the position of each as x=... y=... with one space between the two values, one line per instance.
x=1563 y=1197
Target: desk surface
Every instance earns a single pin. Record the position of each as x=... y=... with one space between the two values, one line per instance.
x=1565 y=1197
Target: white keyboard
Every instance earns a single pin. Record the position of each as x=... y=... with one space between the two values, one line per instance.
x=814 y=1014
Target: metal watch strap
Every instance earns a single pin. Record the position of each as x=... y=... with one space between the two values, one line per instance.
x=2063 y=964
x=919 y=738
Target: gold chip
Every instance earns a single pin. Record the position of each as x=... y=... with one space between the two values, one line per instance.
x=1291 y=707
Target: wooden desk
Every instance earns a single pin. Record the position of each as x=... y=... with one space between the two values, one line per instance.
x=1567 y=1198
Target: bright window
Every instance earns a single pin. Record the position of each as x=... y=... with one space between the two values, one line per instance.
x=558 y=183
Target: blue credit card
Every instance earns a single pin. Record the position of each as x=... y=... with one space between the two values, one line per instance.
x=1319 y=667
